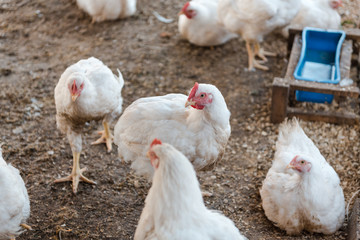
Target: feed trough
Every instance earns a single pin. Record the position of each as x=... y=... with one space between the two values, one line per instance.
x=319 y=61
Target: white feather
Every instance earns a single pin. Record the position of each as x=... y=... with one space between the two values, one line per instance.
x=254 y=19
x=204 y=28
x=199 y=134
x=102 y=10
x=14 y=201
x=294 y=201
x=99 y=99
x=174 y=208
x=315 y=13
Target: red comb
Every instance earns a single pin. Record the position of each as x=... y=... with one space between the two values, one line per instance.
x=193 y=91
x=74 y=87
x=186 y=5
x=155 y=142
x=294 y=159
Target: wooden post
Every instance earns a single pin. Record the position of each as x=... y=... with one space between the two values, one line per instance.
x=354 y=222
x=279 y=102
x=358 y=66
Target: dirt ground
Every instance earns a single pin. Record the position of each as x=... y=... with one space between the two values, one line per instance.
x=40 y=38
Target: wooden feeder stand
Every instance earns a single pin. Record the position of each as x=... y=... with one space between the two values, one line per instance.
x=283 y=89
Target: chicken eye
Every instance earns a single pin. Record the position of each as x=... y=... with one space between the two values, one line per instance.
x=302 y=162
x=202 y=95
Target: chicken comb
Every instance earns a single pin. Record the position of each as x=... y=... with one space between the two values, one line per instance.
x=186 y=5
x=193 y=91
x=155 y=142
x=74 y=87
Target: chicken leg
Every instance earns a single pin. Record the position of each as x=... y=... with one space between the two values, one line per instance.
x=24 y=225
x=261 y=53
x=106 y=137
x=76 y=174
x=251 y=56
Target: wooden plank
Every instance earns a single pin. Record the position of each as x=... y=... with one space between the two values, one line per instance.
x=294 y=57
x=335 y=89
x=354 y=222
x=292 y=32
x=345 y=59
x=295 y=30
x=345 y=63
x=331 y=117
x=358 y=66
x=279 y=102
x=353 y=34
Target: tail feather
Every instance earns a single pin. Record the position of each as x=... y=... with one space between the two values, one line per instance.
x=293 y=138
x=289 y=130
x=2 y=161
x=119 y=78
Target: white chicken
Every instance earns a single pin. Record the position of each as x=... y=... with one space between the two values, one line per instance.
x=301 y=190
x=198 y=24
x=318 y=14
x=200 y=133
x=86 y=91
x=254 y=19
x=14 y=201
x=174 y=208
x=101 y=10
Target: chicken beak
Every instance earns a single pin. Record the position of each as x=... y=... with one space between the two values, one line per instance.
x=74 y=97
x=341 y=4
x=189 y=103
x=290 y=166
x=180 y=13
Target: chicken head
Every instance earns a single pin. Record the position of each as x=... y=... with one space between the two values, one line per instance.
x=152 y=155
x=188 y=11
x=198 y=99
x=299 y=164
x=336 y=4
x=75 y=88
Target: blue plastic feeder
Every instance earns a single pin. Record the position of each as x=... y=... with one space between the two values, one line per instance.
x=319 y=61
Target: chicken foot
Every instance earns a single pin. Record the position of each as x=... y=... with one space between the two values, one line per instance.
x=76 y=174
x=106 y=137
x=251 y=56
x=261 y=53
x=24 y=225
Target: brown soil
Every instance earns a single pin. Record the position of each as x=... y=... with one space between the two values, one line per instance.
x=40 y=38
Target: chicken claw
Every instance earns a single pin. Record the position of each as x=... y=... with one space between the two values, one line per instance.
x=75 y=178
x=76 y=174
x=259 y=66
x=106 y=137
x=261 y=53
x=24 y=225
x=251 y=56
